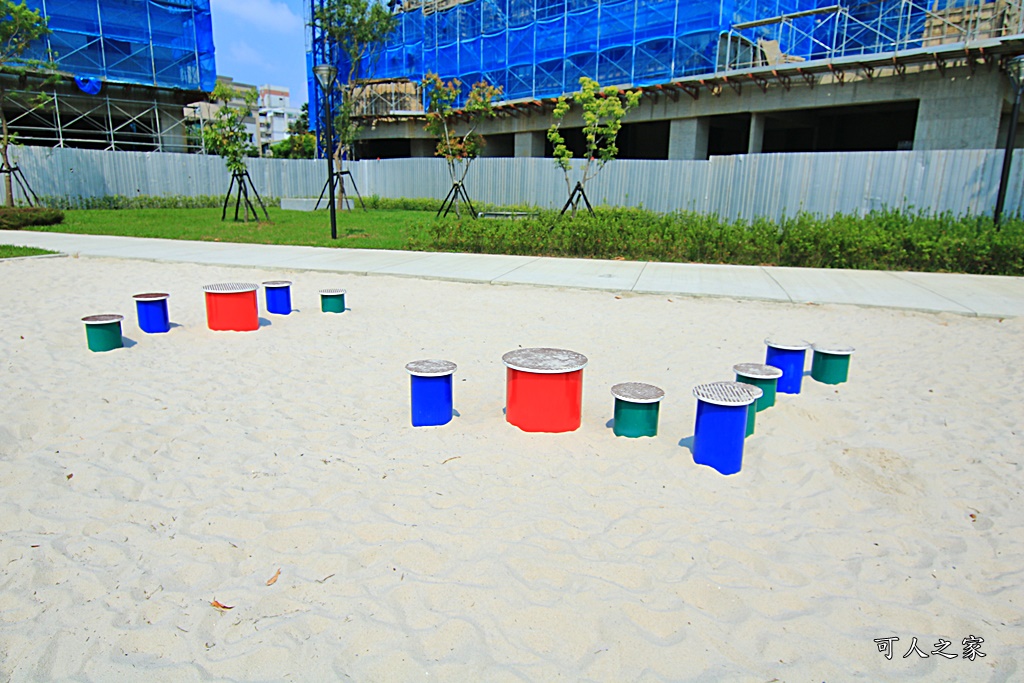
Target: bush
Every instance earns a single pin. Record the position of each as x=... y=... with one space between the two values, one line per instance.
x=417 y=204
x=881 y=240
x=146 y=202
x=24 y=217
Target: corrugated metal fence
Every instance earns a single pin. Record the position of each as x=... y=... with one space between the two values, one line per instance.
x=746 y=186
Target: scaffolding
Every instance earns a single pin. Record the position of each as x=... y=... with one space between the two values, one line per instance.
x=129 y=68
x=537 y=49
x=159 y=43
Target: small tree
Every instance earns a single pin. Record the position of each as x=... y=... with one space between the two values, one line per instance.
x=603 y=111
x=457 y=148
x=300 y=143
x=295 y=146
x=19 y=28
x=359 y=29
x=225 y=135
x=300 y=124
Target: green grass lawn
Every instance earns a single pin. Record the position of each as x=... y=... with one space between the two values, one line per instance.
x=374 y=229
x=8 y=251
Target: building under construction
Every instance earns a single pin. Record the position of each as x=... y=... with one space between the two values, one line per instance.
x=718 y=76
x=128 y=69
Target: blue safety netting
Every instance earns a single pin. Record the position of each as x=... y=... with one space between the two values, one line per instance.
x=541 y=48
x=165 y=43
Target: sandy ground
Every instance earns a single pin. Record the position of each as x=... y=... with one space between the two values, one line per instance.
x=142 y=484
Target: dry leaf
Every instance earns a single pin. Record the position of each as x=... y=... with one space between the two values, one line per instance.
x=273 y=579
x=220 y=605
x=70 y=475
x=618 y=297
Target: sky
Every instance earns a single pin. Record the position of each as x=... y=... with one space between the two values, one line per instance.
x=262 y=42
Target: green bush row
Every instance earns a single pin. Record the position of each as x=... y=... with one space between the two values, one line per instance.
x=883 y=240
x=417 y=204
x=430 y=204
x=26 y=217
x=144 y=202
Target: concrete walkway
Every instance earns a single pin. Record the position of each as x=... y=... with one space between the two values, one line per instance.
x=981 y=295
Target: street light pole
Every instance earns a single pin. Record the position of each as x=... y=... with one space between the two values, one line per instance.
x=325 y=75
x=1015 y=70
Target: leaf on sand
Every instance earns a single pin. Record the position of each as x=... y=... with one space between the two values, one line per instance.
x=221 y=606
x=273 y=579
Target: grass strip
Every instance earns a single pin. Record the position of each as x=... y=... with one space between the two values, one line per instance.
x=11 y=251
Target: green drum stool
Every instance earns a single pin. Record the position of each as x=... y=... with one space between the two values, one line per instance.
x=756 y=395
x=103 y=332
x=332 y=300
x=764 y=377
x=636 y=409
x=830 y=363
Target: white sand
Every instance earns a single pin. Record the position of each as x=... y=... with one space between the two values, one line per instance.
x=203 y=462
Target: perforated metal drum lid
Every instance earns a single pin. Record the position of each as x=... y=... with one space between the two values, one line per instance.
x=544 y=360
x=787 y=344
x=725 y=393
x=230 y=288
x=151 y=296
x=834 y=349
x=102 y=319
x=431 y=368
x=755 y=392
x=277 y=283
x=637 y=392
x=333 y=291
x=757 y=370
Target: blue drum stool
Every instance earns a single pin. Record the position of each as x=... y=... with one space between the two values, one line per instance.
x=152 y=311
x=431 y=383
x=789 y=356
x=279 y=296
x=722 y=414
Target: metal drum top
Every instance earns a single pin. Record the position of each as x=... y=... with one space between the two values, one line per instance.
x=544 y=360
x=757 y=370
x=833 y=349
x=230 y=288
x=787 y=344
x=102 y=319
x=725 y=393
x=637 y=392
x=431 y=368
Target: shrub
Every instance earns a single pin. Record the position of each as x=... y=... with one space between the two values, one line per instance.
x=415 y=204
x=143 y=202
x=882 y=240
x=24 y=217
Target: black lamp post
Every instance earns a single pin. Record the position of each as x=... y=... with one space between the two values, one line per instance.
x=325 y=75
x=1015 y=70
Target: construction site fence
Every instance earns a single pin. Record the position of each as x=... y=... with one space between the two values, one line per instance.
x=744 y=186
